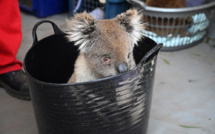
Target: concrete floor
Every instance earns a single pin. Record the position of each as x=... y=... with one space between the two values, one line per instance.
x=184 y=90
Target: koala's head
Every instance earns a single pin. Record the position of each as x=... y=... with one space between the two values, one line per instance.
x=107 y=44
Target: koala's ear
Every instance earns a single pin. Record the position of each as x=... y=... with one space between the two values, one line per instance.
x=132 y=22
x=81 y=30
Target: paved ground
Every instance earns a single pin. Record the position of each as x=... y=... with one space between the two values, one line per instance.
x=184 y=90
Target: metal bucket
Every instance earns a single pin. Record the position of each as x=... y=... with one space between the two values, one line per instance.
x=114 y=105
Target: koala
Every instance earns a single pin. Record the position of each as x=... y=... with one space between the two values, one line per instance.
x=167 y=3
x=105 y=46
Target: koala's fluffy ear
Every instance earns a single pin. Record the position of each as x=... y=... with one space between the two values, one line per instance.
x=133 y=23
x=82 y=30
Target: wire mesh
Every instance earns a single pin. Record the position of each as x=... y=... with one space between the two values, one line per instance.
x=95 y=7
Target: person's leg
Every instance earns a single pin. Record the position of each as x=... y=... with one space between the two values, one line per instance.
x=12 y=77
x=10 y=35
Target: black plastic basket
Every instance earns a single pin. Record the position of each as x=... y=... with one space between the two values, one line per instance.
x=114 y=105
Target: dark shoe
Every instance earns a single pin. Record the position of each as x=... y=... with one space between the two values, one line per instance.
x=15 y=84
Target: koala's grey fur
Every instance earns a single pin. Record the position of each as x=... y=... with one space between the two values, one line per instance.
x=112 y=39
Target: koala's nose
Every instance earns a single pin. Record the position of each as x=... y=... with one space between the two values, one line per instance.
x=123 y=67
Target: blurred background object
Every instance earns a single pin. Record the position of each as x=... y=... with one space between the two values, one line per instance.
x=192 y=3
x=100 y=9
x=44 y=8
x=177 y=28
x=178 y=24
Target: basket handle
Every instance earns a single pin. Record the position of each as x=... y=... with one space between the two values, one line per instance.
x=34 y=32
x=154 y=50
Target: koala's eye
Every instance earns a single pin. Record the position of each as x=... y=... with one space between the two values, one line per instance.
x=106 y=60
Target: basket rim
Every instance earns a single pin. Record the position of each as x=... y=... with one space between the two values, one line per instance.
x=173 y=10
x=87 y=82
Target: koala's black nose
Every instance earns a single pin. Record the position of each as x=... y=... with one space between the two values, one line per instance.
x=123 y=67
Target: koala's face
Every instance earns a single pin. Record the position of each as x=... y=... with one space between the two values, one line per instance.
x=107 y=44
x=112 y=51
